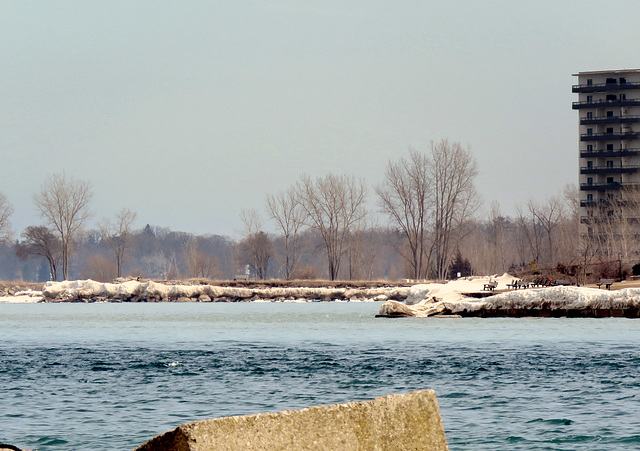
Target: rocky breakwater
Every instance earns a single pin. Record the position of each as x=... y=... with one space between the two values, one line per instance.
x=566 y=301
x=149 y=291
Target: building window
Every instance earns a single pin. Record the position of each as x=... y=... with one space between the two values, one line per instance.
x=589 y=99
x=609 y=146
x=609 y=179
x=623 y=80
x=589 y=164
x=589 y=115
x=609 y=113
x=589 y=197
x=589 y=147
x=609 y=130
x=590 y=181
x=609 y=164
x=623 y=96
x=589 y=81
x=589 y=131
x=611 y=97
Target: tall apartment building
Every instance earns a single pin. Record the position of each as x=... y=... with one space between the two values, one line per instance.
x=609 y=110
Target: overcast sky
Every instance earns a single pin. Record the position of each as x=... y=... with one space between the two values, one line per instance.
x=188 y=112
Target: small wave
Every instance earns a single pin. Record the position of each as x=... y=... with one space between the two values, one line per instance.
x=456 y=395
x=577 y=439
x=172 y=364
x=515 y=439
x=51 y=441
x=563 y=421
x=630 y=439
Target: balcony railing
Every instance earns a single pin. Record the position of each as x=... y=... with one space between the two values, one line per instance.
x=602 y=153
x=600 y=186
x=603 y=203
x=606 y=186
x=606 y=219
x=608 y=169
x=608 y=136
x=609 y=119
x=604 y=103
x=604 y=87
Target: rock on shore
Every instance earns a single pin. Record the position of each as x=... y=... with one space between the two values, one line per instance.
x=149 y=291
x=455 y=298
x=409 y=421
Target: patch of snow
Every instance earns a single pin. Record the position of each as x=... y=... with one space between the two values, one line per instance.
x=454 y=290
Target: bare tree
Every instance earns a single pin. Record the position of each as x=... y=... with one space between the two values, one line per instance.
x=287 y=212
x=334 y=205
x=117 y=235
x=198 y=263
x=362 y=251
x=40 y=240
x=629 y=217
x=100 y=268
x=453 y=171
x=6 y=210
x=256 y=243
x=63 y=202
x=571 y=198
x=497 y=228
x=531 y=229
x=549 y=216
x=429 y=197
x=405 y=197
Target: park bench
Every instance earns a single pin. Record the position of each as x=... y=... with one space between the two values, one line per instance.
x=606 y=282
x=543 y=282
x=515 y=284
x=490 y=286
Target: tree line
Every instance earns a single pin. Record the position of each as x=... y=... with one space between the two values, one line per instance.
x=425 y=226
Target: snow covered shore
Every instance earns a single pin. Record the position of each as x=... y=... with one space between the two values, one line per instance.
x=456 y=298
x=463 y=297
x=23 y=297
x=149 y=291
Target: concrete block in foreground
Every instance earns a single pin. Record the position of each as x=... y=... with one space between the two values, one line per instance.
x=396 y=422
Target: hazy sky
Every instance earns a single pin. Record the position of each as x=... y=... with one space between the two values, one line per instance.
x=187 y=112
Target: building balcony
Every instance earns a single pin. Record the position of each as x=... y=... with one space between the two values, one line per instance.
x=604 y=103
x=609 y=153
x=606 y=186
x=609 y=120
x=600 y=186
x=608 y=136
x=602 y=203
x=601 y=87
x=606 y=219
x=609 y=169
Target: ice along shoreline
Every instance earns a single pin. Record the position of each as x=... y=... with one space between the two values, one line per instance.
x=460 y=298
x=150 y=291
x=452 y=299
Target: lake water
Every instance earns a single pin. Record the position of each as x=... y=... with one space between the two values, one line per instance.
x=111 y=376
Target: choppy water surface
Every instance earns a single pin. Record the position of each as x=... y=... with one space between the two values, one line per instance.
x=111 y=376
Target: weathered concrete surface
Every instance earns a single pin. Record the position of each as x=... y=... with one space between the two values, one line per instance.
x=396 y=422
